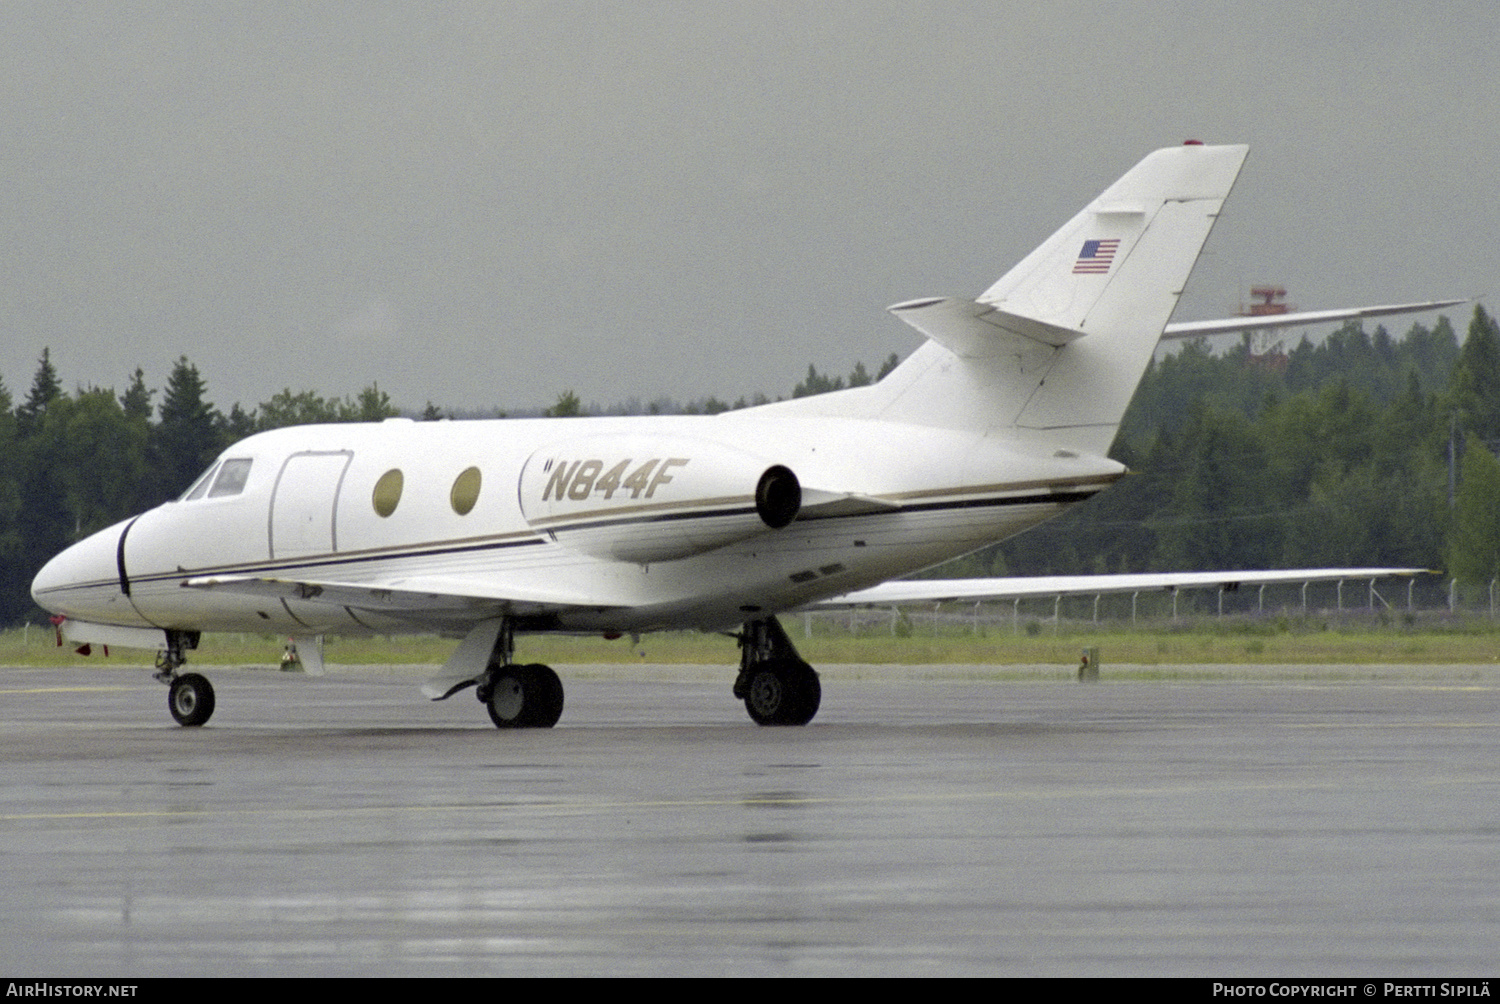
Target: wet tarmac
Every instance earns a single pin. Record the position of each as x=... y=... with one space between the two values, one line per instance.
x=1297 y=822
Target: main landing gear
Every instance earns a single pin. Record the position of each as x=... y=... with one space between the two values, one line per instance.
x=190 y=697
x=518 y=697
x=778 y=688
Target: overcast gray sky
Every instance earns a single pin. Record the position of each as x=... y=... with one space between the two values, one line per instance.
x=485 y=204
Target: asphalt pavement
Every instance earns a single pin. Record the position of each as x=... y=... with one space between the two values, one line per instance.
x=1301 y=821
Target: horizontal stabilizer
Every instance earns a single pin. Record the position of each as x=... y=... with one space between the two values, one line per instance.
x=938 y=590
x=970 y=330
x=1195 y=329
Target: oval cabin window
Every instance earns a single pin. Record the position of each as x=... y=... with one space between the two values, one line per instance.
x=465 y=491
x=388 y=492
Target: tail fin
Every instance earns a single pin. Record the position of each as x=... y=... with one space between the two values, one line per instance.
x=1061 y=341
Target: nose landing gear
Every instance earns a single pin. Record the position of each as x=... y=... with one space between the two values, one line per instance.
x=190 y=697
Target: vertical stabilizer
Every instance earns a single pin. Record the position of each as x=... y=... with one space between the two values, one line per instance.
x=1115 y=274
x=1061 y=341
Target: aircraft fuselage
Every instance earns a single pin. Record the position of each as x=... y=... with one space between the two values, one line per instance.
x=590 y=524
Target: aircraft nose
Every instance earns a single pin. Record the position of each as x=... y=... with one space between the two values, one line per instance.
x=84 y=581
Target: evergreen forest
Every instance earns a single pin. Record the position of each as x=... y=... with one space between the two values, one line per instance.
x=1362 y=449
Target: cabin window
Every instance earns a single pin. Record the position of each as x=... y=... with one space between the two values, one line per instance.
x=200 y=486
x=388 y=492
x=231 y=479
x=465 y=491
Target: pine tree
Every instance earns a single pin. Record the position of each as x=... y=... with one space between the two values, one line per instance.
x=238 y=424
x=817 y=383
x=187 y=438
x=136 y=401
x=45 y=388
x=1476 y=378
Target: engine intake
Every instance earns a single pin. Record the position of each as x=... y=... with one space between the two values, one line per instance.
x=778 y=497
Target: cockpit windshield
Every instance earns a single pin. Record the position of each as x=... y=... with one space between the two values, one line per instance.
x=220 y=481
x=231 y=480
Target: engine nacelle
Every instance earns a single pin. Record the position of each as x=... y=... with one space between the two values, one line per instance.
x=652 y=498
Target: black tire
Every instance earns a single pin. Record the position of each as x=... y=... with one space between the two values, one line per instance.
x=783 y=693
x=549 y=696
x=525 y=697
x=191 y=699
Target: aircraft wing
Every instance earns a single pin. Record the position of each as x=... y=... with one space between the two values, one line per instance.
x=1194 y=329
x=418 y=595
x=938 y=590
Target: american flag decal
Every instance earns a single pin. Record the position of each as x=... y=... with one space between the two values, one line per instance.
x=1096 y=257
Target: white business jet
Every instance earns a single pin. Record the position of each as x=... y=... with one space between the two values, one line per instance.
x=482 y=530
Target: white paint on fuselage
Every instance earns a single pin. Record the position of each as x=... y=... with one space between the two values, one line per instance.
x=945 y=489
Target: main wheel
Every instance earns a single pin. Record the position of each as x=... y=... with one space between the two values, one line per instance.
x=549 y=696
x=525 y=697
x=191 y=699
x=783 y=693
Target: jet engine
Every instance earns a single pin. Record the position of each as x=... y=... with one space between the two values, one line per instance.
x=650 y=498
